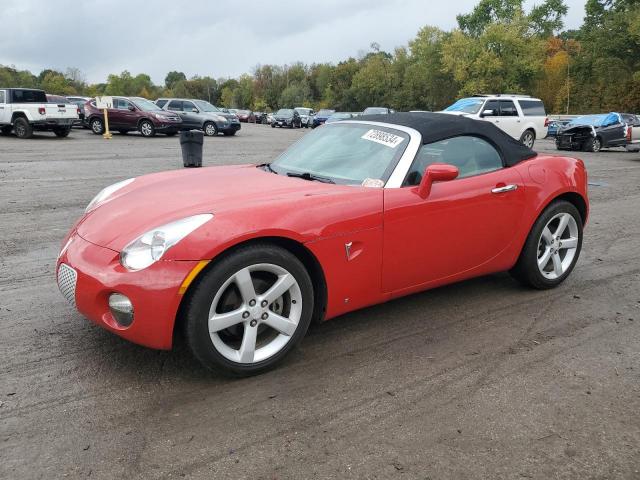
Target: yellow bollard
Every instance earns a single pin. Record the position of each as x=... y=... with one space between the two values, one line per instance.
x=106 y=134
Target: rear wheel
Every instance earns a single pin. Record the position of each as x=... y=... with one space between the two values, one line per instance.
x=97 y=126
x=147 y=129
x=22 y=128
x=528 y=138
x=247 y=313
x=552 y=247
x=210 y=129
x=62 y=132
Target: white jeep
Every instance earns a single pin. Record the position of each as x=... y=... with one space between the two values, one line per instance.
x=521 y=116
x=24 y=110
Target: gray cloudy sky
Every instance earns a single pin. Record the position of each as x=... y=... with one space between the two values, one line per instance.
x=216 y=38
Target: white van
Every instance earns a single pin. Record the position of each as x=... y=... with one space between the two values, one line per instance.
x=521 y=116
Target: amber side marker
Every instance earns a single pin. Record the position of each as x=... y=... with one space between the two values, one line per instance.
x=192 y=274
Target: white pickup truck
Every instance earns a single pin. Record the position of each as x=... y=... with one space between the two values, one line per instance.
x=25 y=110
x=632 y=131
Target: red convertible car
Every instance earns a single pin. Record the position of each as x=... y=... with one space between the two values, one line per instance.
x=243 y=258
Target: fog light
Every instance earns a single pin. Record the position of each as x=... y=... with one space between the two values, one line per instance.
x=121 y=309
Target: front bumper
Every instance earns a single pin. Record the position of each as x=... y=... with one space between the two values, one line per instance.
x=168 y=127
x=229 y=127
x=153 y=291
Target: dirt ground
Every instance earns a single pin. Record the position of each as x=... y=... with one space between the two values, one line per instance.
x=483 y=379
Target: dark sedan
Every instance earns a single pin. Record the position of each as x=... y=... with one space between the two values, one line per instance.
x=286 y=117
x=590 y=133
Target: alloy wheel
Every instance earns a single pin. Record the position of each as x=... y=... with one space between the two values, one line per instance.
x=557 y=245
x=146 y=128
x=255 y=313
x=210 y=129
x=528 y=139
x=96 y=126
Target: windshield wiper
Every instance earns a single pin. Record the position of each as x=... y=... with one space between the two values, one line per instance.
x=267 y=167
x=310 y=176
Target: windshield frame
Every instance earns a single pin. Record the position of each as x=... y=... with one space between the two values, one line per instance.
x=402 y=163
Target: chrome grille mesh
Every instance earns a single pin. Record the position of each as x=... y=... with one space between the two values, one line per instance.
x=67 y=278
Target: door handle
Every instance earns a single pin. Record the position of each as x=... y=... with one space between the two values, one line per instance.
x=504 y=189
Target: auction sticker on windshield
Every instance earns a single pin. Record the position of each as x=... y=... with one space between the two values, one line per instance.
x=384 y=138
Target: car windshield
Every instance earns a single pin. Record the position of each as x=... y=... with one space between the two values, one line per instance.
x=325 y=113
x=206 y=106
x=145 y=105
x=285 y=112
x=466 y=105
x=595 y=120
x=374 y=111
x=346 y=153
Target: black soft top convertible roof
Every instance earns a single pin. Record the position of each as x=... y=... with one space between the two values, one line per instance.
x=439 y=126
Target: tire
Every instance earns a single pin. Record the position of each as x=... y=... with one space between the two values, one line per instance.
x=22 y=128
x=210 y=129
x=593 y=145
x=273 y=125
x=291 y=125
x=147 y=129
x=532 y=269
x=96 y=125
x=62 y=132
x=263 y=265
x=6 y=130
x=528 y=138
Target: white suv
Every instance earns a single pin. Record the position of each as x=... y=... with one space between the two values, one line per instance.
x=521 y=116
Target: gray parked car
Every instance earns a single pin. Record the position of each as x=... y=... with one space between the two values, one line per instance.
x=201 y=115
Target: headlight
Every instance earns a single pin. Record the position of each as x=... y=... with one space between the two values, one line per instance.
x=106 y=192
x=150 y=247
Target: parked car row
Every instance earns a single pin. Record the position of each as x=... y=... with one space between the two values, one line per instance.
x=591 y=133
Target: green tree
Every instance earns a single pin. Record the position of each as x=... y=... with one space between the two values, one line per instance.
x=172 y=78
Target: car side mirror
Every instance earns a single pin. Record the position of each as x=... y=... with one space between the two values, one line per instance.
x=487 y=113
x=436 y=172
x=132 y=108
x=194 y=110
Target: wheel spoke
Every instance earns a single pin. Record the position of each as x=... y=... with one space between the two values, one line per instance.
x=248 y=347
x=564 y=221
x=546 y=234
x=569 y=243
x=557 y=264
x=282 y=285
x=245 y=285
x=221 y=321
x=542 y=261
x=281 y=324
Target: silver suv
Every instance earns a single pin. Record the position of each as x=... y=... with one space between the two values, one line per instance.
x=201 y=115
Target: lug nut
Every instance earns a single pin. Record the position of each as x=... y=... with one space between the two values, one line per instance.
x=252 y=303
x=265 y=315
x=253 y=323
x=264 y=303
x=245 y=314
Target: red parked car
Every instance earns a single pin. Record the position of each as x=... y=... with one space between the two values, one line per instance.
x=246 y=116
x=133 y=113
x=244 y=258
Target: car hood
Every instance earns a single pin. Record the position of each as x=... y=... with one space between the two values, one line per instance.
x=154 y=200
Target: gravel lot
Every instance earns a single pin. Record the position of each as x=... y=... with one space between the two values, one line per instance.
x=482 y=379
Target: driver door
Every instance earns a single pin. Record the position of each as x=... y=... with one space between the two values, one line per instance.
x=462 y=226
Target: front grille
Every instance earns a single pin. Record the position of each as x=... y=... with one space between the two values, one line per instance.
x=67 y=278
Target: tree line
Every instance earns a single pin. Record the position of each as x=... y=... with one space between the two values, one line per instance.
x=499 y=47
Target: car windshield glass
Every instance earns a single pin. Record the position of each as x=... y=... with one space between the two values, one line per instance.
x=206 y=106
x=285 y=112
x=595 y=120
x=466 y=105
x=374 y=110
x=347 y=153
x=145 y=105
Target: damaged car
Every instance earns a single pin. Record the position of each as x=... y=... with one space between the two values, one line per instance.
x=591 y=133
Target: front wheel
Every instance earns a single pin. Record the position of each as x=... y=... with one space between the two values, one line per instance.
x=247 y=313
x=552 y=247
x=147 y=129
x=593 y=145
x=210 y=129
x=528 y=138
